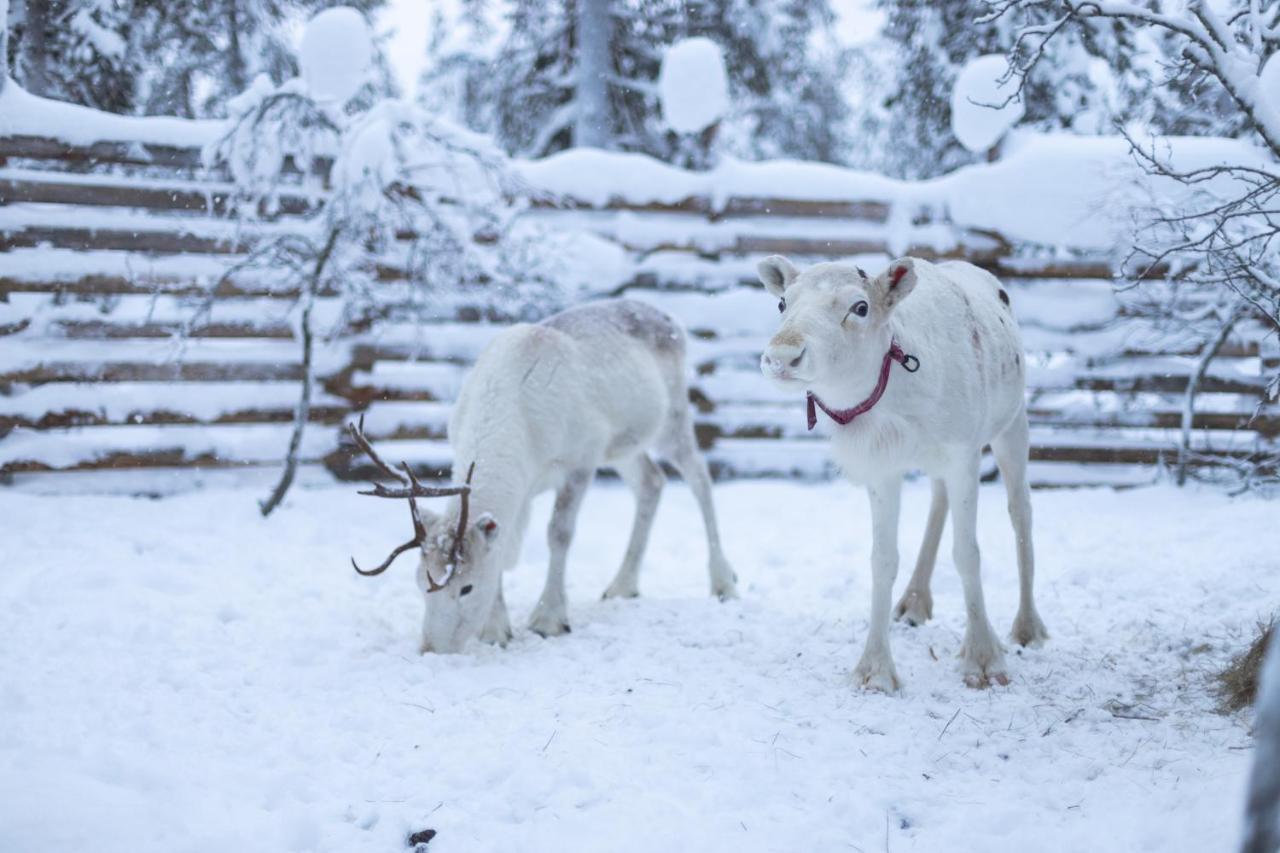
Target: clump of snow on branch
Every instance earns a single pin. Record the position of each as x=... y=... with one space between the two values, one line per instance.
x=336 y=53
x=437 y=198
x=985 y=103
x=693 y=85
x=272 y=130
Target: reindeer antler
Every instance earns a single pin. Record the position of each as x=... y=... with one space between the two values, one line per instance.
x=413 y=489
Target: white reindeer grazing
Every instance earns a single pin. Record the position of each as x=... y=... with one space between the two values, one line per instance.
x=601 y=385
x=844 y=339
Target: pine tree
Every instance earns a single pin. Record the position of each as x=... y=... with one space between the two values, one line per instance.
x=929 y=42
x=4 y=44
x=531 y=91
x=154 y=56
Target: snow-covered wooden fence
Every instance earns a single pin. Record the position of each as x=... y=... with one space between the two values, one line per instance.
x=105 y=249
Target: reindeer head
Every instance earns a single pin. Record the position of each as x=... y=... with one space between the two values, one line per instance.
x=454 y=560
x=835 y=319
x=459 y=574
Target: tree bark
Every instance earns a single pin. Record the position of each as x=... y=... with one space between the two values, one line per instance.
x=236 y=72
x=4 y=44
x=1207 y=356
x=593 y=28
x=34 y=49
x=303 y=412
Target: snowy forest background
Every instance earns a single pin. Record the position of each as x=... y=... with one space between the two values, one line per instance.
x=511 y=69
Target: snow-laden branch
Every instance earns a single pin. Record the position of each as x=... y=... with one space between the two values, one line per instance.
x=1217 y=240
x=1210 y=45
x=409 y=194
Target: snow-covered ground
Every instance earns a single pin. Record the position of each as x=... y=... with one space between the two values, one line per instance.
x=180 y=675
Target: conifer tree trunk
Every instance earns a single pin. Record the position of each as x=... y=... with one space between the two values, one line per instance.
x=4 y=44
x=34 y=47
x=593 y=28
x=236 y=73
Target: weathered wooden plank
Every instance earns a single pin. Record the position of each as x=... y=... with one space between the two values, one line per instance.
x=147 y=285
x=763 y=245
x=138 y=154
x=1171 y=383
x=1264 y=424
x=73 y=417
x=1126 y=455
x=736 y=206
x=161 y=242
x=213 y=201
x=64 y=404
x=80 y=448
x=108 y=329
x=122 y=153
x=166 y=457
x=124 y=371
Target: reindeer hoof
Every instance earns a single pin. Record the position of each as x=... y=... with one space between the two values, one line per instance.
x=1028 y=631
x=982 y=679
x=549 y=627
x=877 y=676
x=497 y=638
x=983 y=670
x=915 y=608
x=724 y=581
x=621 y=590
x=726 y=592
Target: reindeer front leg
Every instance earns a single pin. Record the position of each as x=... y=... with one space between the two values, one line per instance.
x=498 y=629
x=875 y=671
x=981 y=653
x=551 y=616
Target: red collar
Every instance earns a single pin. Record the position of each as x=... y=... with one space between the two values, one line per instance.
x=846 y=416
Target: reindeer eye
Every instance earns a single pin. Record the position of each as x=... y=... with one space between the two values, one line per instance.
x=466 y=590
x=860 y=308
x=782 y=305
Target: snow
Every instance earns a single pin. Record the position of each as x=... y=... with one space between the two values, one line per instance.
x=598 y=177
x=118 y=401
x=693 y=85
x=1269 y=81
x=24 y=114
x=18 y=353
x=335 y=53
x=1055 y=190
x=985 y=105
x=1078 y=192
x=220 y=682
x=232 y=443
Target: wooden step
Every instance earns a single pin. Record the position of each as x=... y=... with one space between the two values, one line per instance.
x=106 y=447
x=124 y=403
x=123 y=153
x=155 y=241
x=211 y=198
x=197 y=360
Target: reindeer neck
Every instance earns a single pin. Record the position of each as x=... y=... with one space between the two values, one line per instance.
x=859 y=371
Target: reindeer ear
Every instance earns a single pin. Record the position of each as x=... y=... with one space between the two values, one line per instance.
x=776 y=274
x=893 y=285
x=486 y=526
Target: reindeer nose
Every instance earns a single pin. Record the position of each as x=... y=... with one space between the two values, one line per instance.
x=782 y=358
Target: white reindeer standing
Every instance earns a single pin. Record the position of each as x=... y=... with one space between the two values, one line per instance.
x=845 y=339
x=546 y=405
